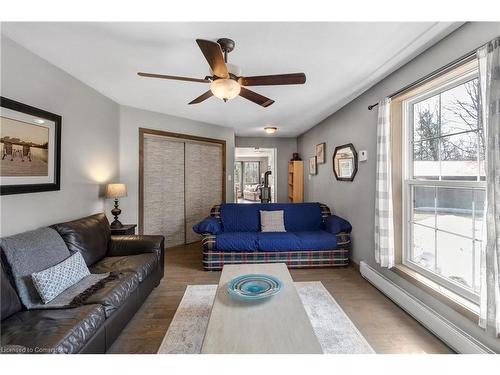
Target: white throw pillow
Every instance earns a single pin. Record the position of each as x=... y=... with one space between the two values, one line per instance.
x=52 y=281
x=272 y=221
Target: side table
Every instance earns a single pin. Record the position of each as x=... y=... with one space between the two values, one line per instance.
x=127 y=229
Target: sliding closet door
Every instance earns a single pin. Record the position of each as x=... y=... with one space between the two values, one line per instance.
x=163 y=196
x=203 y=181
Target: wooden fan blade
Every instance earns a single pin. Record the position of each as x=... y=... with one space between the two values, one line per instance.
x=256 y=98
x=276 y=79
x=177 y=78
x=202 y=97
x=214 y=56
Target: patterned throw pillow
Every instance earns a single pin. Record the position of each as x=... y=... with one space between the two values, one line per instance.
x=54 y=280
x=272 y=221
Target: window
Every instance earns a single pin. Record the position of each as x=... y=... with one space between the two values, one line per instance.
x=443 y=182
x=251 y=173
x=237 y=174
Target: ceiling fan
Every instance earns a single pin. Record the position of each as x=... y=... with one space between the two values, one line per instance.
x=226 y=81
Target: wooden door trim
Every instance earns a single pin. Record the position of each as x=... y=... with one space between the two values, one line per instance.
x=143 y=132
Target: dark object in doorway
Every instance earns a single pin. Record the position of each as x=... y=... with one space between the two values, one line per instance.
x=265 y=191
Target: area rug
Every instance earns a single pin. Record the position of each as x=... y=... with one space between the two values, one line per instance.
x=335 y=331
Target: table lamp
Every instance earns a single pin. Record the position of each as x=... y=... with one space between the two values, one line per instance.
x=115 y=191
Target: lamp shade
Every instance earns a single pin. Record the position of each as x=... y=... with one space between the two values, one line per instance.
x=116 y=190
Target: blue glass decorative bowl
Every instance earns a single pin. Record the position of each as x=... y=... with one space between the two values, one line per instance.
x=253 y=287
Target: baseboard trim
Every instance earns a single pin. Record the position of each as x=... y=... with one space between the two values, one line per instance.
x=449 y=333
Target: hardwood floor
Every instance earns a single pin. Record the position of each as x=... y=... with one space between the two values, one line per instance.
x=385 y=326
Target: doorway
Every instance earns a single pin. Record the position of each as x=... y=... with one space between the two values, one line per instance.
x=250 y=165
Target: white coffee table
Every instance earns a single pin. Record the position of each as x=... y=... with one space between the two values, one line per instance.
x=277 y=325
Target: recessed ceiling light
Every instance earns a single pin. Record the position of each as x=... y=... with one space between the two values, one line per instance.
x=39 y=121
x=270 y=129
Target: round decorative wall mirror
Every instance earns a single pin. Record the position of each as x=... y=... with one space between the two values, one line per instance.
x=345 y=162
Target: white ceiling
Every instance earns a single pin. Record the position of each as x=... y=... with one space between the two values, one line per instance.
x=340 y=60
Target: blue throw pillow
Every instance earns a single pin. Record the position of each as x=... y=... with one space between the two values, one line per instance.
x=335 y=224
x=208 y=225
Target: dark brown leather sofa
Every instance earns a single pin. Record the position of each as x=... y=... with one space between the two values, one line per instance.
x=138 y=263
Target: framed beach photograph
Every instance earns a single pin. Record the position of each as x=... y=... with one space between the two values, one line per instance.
x=312 y=165
x=320 y=153
x=30 y=149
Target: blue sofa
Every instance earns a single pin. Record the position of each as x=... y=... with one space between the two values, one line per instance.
x=313 y=238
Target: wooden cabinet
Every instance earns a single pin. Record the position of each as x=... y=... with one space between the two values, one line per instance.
x=295 y=181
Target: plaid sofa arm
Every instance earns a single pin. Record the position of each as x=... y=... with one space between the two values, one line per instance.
x=325 y=212
x=215 y=212
x=343 y=240
x=208 y=242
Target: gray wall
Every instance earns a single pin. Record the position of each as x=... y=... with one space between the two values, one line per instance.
x=285 y=147
x=89 y=146
x=355 y=200
x=131 y=119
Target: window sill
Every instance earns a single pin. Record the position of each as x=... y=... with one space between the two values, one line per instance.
x=461 y=305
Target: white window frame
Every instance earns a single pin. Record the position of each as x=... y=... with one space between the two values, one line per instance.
x=408 y=182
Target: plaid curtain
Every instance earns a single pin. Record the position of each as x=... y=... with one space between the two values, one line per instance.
x=489 y=81
x=384 y=226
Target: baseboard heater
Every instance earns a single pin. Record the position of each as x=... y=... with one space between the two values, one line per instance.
x=449 y=333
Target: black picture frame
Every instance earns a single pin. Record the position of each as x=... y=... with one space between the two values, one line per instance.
x=323 y=147
x=40 y=113
x=313 y=165
x=355 y=162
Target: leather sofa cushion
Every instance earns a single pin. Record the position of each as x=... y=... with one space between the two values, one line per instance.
x=64 y=299
x=9 y=301
x=143 y=265
x=115 y=292
x=52 y=331
x=89 y=235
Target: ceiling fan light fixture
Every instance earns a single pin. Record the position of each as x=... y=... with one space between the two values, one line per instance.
x=231 y=68
x=270 y=129
x=226 y=81
x=225 y=88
